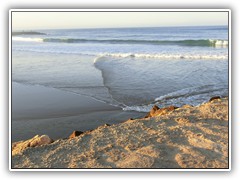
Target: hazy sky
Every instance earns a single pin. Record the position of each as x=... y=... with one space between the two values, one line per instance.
x=52 y=20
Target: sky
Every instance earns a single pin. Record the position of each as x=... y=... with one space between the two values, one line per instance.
x=65 y=20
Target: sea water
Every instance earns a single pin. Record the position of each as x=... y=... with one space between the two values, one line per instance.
x=131 y=68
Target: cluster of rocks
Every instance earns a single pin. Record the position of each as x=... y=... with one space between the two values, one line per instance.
x=156 y=111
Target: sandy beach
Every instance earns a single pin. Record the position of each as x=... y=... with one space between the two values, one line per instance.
x=186 y=137
x=118 y=89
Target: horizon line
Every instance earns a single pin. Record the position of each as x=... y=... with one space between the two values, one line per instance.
x=117 y=27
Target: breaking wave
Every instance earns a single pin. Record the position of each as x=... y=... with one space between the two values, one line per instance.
x=189 y=42
x=164 y=56
x=192 y=96
x=27 y=39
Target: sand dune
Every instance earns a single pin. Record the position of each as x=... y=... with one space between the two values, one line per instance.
x=187 y=137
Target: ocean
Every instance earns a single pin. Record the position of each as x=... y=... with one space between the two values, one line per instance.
x=130 y=68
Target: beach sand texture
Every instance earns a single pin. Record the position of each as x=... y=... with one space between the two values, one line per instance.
x=187 y=137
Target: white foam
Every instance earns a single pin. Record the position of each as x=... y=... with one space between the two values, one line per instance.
x=221 y=43
x=97 y=58
x=192 y=96
x=163 y=56
x=144 y=108
x=177 y=93
x=191 y=92
x=27 y=39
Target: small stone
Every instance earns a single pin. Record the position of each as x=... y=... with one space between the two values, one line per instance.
x=215 y=97
x=75 y=134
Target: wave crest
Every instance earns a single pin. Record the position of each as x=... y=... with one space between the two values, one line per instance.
x=189 y=42
x=27 y=39
x=162 y=56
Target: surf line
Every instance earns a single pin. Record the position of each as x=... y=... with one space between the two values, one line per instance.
x=115 y=102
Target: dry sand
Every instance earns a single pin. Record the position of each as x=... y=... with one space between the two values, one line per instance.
x=187 y=137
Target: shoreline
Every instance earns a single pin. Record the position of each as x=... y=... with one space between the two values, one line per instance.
x=185 y=137
x=43 y=110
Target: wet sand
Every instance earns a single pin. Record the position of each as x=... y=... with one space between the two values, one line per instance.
x=42 y=110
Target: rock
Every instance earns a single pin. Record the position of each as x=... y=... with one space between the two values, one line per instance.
x=152 y=112
x=156 y=111
x=75 y=134
x=40 y=140
x=170 y=108
x=165 y=110
x=215 y=97
x=37 y=140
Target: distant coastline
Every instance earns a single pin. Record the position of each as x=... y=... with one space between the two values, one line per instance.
x=16 y=33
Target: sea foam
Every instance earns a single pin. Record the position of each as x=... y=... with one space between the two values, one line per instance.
x=163 y=56
x=27 y=39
